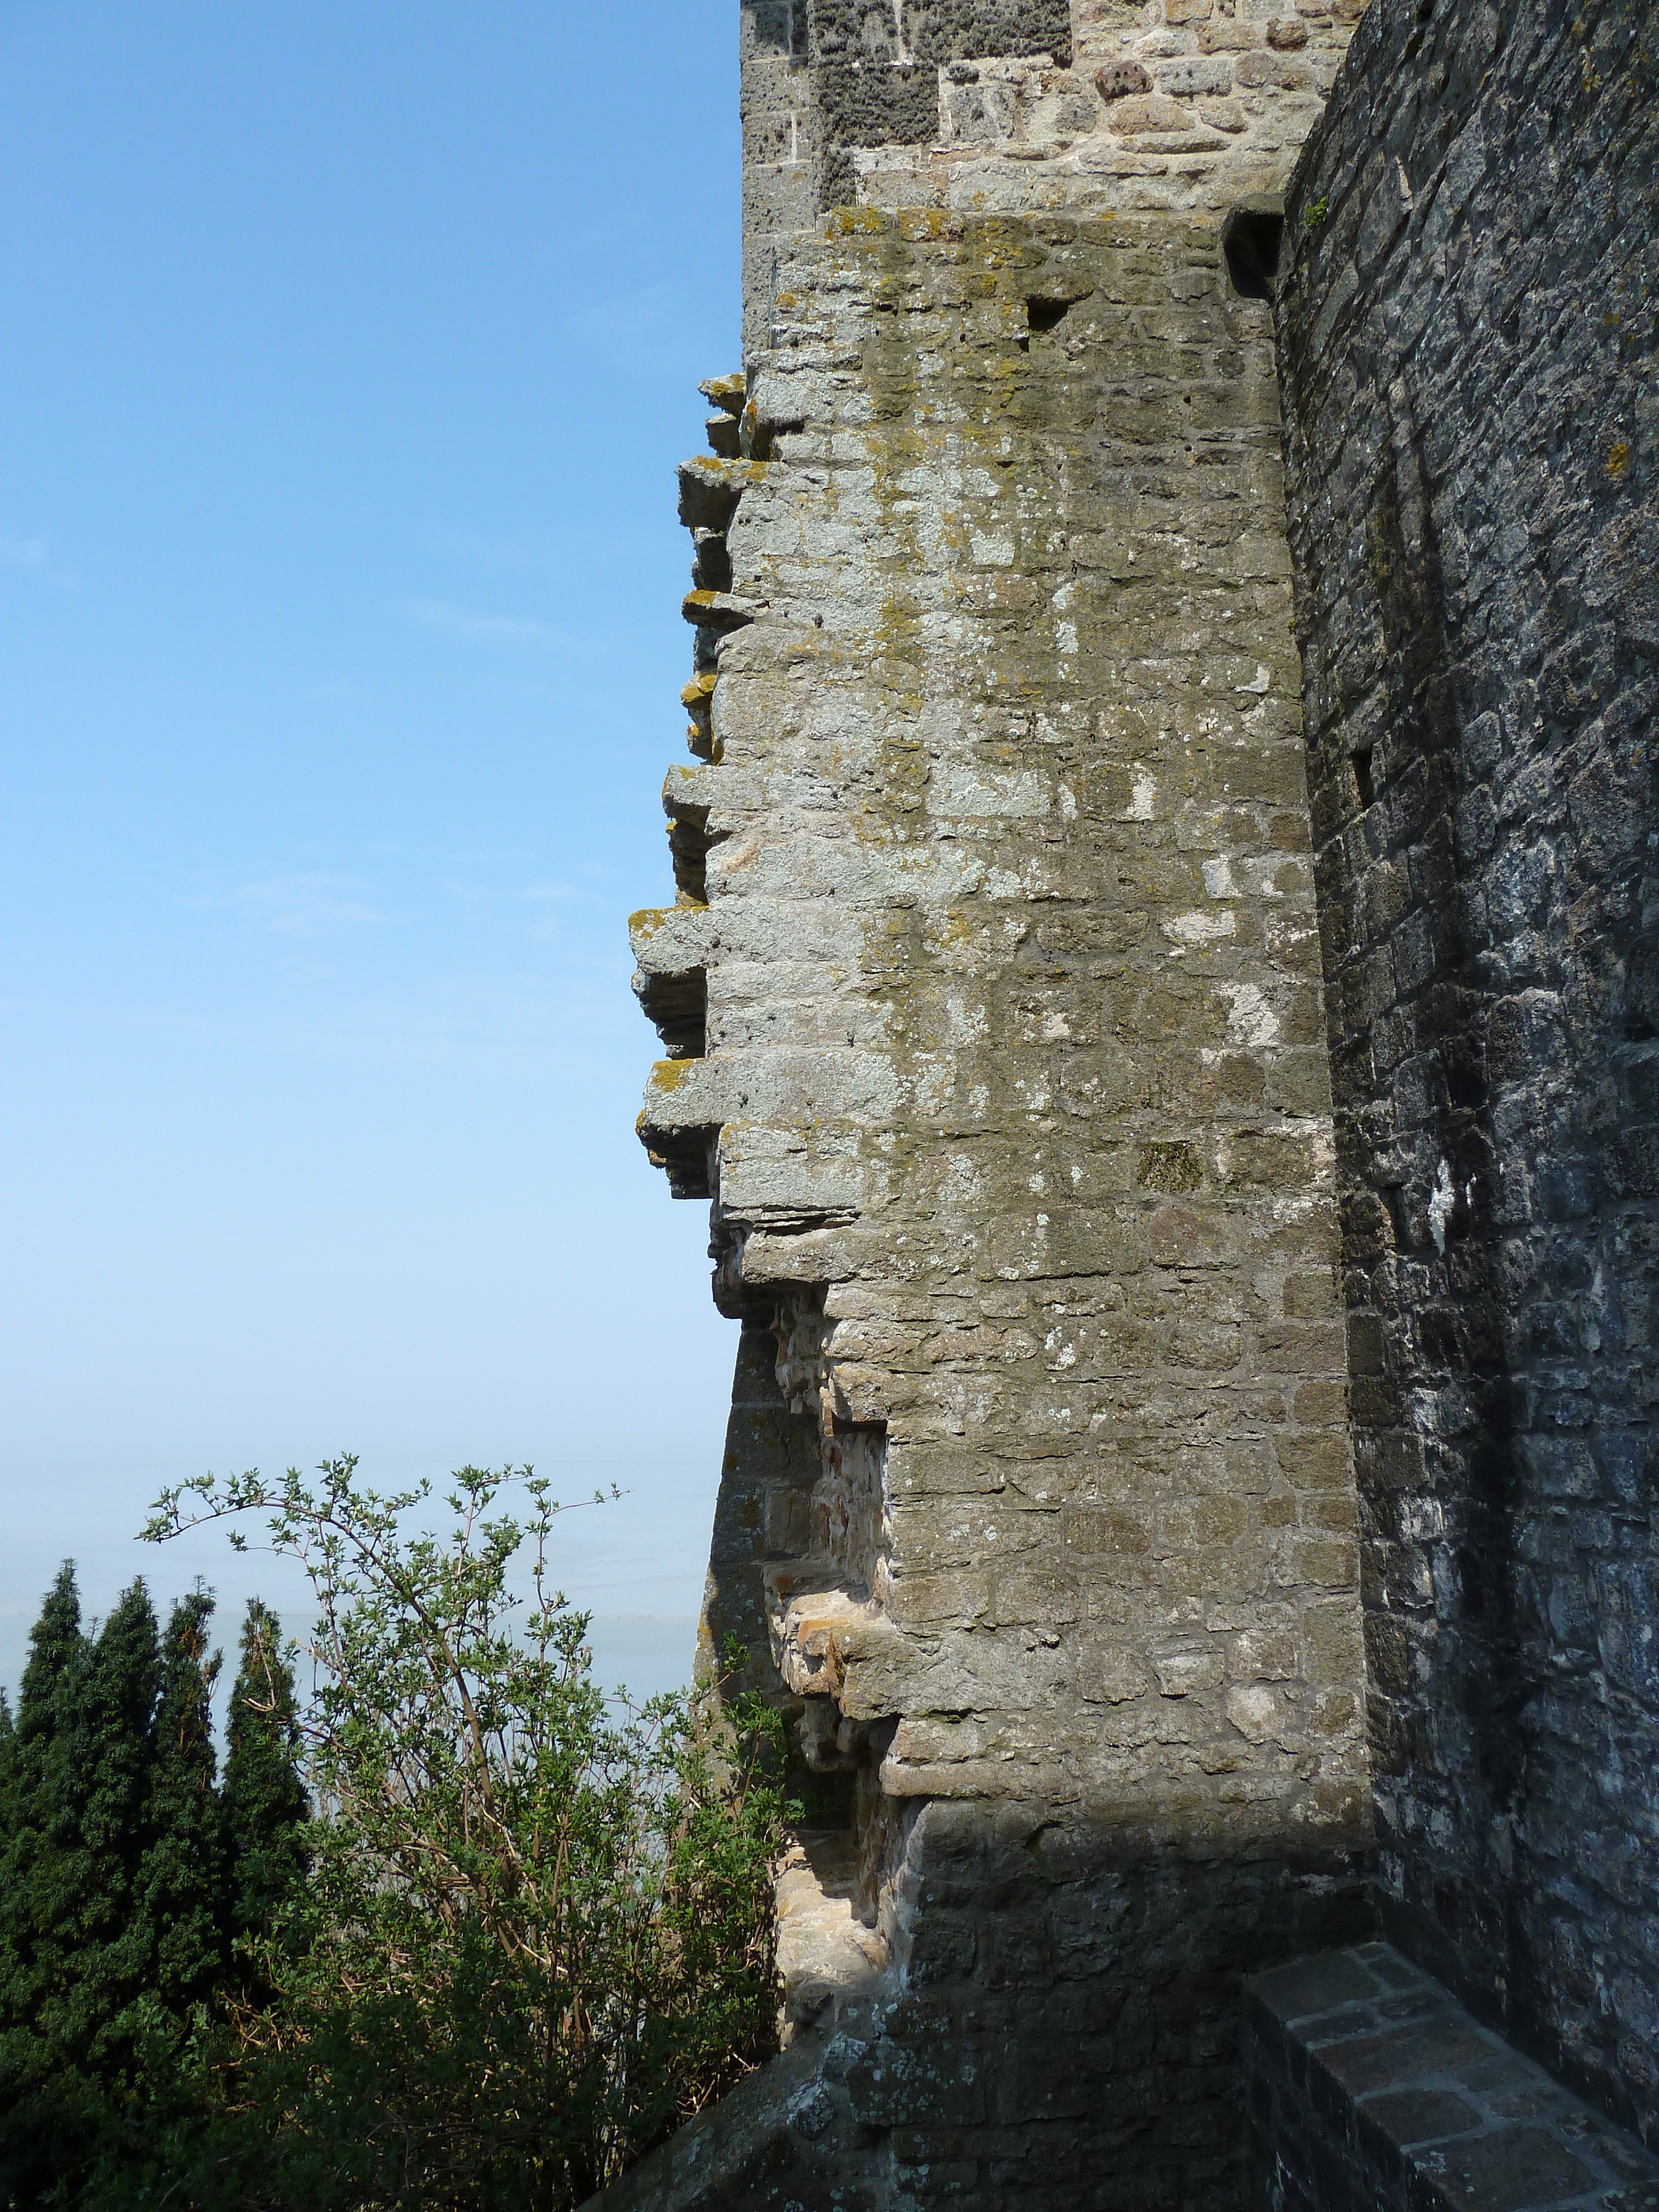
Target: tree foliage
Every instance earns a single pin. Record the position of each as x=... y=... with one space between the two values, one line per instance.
x=74 y=1958
x=263 y=1800
x=535 y=1933
x=115 y=1926
x=180 y=1902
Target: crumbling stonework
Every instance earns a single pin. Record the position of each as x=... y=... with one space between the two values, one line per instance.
x=994 y=1010
x=1010 y=106
x=824 y=80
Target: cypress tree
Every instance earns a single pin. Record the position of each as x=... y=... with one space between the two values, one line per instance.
x=71 y=1973
x=123 y=1683
x=177 y=1917
x=8 y=1748
x=27 y=2149
x=265 y=1805
x=41 y=1868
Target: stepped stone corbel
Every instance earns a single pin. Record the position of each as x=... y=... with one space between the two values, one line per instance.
x=720 y=611
x=670 y=947
x=679 y=1122
x=710 y=488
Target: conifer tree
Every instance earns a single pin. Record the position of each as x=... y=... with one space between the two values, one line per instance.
x=71 y=1973
x=265 y=1805
x=176 y=1906
x=7 y=1747
x=117 y=1720
x=55 y=1647
x=40 y=1866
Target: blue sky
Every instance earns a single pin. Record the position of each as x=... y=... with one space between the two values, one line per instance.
x=346 y=355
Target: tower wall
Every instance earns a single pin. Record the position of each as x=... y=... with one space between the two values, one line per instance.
x=1012 y=1104
x=1014 y=958
x=1467 y=340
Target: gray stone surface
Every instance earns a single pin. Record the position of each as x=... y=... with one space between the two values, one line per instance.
x=1011 y=1103
x=1467 y=334
x=776 y=2144
x=775 y=104
x=824 y=79
x=1371 y=2090
x=1009 y=970
x=1141 y=1077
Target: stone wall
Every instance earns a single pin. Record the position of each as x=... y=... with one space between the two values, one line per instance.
x=1065 y=1034
x=1016 y=106
x=999 y=1049
x=822 y=79
x=1372 y=2091
x=1467 y=328
x=775 y=111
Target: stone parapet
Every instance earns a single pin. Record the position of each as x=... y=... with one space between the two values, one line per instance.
x=1372 y=2090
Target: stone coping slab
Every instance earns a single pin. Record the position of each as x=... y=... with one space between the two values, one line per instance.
x=1370 y=2086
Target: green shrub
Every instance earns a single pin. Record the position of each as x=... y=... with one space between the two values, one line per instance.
x=534 y=1933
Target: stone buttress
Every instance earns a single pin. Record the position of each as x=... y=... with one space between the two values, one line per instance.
x=993 y=1007
x=1004 y=1005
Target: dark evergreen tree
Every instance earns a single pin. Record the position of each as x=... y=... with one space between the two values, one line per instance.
x=265 y=1805
x=55 y=1645
x=7 y=1746
x=177 y=1918
x=119 y=1712
x=73 y=1972
x=40 y=1856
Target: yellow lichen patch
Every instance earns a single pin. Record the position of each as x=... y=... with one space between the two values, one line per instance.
x=648 y=921
x=849 y=222
x=713 y=465
x=669 y=1074
x=1618 y=458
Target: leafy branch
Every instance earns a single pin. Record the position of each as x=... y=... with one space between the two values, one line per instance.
x=534 y=1934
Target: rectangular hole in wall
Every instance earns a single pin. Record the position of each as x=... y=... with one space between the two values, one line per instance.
x=681 y=1008
x=1046 y=314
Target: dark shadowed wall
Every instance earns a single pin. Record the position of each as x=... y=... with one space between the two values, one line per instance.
x=1466 y=330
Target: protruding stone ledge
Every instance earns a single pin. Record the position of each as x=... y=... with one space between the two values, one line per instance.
x=1372 y=2088
x=710 y=488
x=720 y=611
x=671 y=947
x=671 y=940
x=680 y=1121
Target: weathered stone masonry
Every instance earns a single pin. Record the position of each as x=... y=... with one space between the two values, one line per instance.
x=997 y=1037
x=1013 y=1098
x=1467 y=337
x=1371 y=2090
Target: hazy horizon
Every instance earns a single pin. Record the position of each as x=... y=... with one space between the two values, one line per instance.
x=347 y=360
